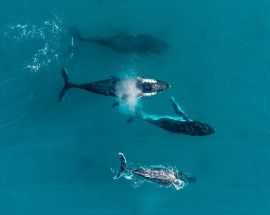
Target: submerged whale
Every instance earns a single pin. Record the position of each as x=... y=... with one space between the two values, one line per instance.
x=117 y=87
x=126 y=43
x=168 y=177
x=180 y=124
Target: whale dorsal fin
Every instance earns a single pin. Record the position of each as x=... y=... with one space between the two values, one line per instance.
x=178 y=110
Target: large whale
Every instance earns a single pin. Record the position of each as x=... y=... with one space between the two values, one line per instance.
x=178 y=124
x=117 y=87
x=169 y=177
x=126 y=43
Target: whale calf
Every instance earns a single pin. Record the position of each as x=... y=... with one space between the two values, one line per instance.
x=116 y=86
x=169 y=177
x=179 y=124
x=126 y=43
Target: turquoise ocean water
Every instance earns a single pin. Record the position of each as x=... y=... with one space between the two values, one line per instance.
x=57 y=158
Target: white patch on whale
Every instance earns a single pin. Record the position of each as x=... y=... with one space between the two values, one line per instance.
x=147 y=80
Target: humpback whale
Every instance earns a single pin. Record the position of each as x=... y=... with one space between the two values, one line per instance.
x=115 y=86
x=169 y=177
x=125 y=43
x=179 y=124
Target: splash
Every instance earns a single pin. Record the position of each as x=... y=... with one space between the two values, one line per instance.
x=46 y=36
x=138 y=181
x=128 y=93
x=127 y=90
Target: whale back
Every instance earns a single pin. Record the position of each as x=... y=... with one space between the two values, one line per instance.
x=129 y=43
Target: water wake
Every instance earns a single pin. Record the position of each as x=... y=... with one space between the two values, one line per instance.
x=48 y=35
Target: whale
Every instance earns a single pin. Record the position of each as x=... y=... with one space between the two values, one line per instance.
x=176 y=124
x=168 y=177
x=116 y=86
x=124 y=42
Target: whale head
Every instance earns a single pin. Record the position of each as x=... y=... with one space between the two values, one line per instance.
x=201 y=129
x=161 y=86
x=150 y=87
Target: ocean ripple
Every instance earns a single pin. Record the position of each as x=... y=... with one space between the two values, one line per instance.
x=49 y=35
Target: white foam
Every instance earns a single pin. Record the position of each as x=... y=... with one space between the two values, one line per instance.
x=128 y=93
x=48 y=36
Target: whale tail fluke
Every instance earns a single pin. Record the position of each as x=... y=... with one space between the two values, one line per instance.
x=123 y=165
x=67 y=85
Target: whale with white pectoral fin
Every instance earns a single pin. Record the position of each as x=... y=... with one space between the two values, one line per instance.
x=176 y=124
x=117 y=87
x=164 y=176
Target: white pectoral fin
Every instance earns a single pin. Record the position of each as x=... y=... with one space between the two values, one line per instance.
x=178 y=110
